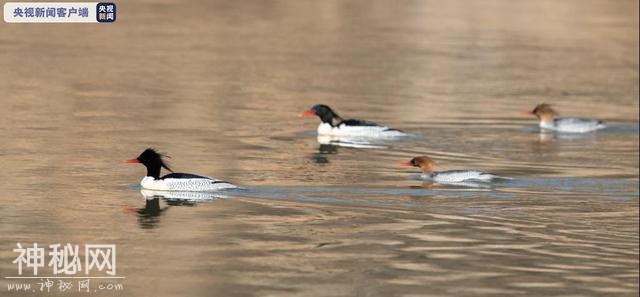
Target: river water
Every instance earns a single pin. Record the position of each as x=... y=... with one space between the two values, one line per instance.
x=218 y=85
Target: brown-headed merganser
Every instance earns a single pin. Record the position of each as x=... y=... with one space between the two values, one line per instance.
x=450 y=176
x=334 y=125
x=174 y=181
x=548 y=120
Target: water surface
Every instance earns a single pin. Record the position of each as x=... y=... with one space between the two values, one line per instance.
x=218 y=86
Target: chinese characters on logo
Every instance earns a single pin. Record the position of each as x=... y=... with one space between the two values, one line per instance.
x=66 y=259
x=60 y=12
x=106 y=12
x=50 y=12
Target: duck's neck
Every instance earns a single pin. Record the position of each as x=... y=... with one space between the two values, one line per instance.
x=547 y=124
x=153 y=171
x=428 y=174
x=329 y=117
x=546 y=119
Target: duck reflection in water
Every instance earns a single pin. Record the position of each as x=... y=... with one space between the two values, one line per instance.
x=323 y=150
x=350 y=141
x=329 y=145
x=149 y=215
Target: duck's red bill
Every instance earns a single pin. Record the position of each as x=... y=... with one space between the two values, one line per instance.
x=308 y=113
x=406 y=164
x=130 y=210
x=132 y=161
x=527 y=113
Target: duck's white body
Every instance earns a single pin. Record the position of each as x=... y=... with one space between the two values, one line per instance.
x=573 y=125
x=182 y=195
x=199 y=184
x=457 y=176
x=358 y=131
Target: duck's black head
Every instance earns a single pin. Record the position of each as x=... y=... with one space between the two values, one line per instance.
x=324 y=112
x=152 y=160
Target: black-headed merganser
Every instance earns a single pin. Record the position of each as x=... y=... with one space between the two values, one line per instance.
x=450 y=176
x=548 y=120
x=174 y=181
x=334 y=125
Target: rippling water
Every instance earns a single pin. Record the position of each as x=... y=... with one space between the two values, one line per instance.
x=218 y=86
